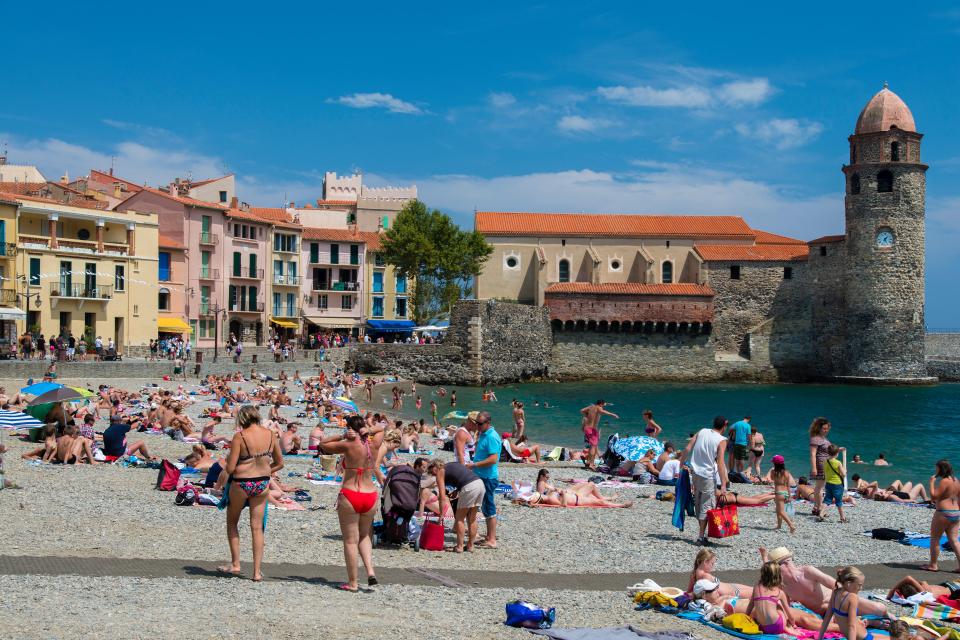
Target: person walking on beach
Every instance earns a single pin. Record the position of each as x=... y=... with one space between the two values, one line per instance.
x=254 y=457
x=780 y=478
x=833 y=473
x=704 y=456
x=757 y=446
x=945 y=493
x=357 y=502
x=591 y=430
x=739 y=439
x=433 y=413
x=485 y=459
x=819 y=445
x=519 y=420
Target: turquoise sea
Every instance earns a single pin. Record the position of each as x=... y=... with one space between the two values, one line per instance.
x=913 y=426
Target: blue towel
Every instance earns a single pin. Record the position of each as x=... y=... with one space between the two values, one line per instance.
x=924 y=542
x=683 y=502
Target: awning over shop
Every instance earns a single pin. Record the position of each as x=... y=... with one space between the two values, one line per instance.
x=286 y=324
x=391 y=325
x=332 y=323
x=172 y=325
x=12 y=313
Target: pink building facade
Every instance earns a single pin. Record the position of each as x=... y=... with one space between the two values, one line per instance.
x=247 y=255
x=333 y=284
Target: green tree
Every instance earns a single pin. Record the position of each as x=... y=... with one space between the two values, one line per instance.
x=440 y=259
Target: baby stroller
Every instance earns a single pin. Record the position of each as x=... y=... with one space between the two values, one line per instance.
x=401 y=495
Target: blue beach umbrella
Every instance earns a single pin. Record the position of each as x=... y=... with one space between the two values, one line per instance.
x=634 y=447
x=41 y=388
x=14 y=420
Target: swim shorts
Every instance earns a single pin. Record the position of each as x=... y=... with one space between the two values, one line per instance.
x=739 y=452
x=834 y=494
x=591 y=437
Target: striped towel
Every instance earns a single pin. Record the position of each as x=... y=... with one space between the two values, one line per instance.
x=936 y=611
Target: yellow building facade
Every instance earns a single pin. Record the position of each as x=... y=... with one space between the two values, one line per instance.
x=88 y=272
x=10 y=313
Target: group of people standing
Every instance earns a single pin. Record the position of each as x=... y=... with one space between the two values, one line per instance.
x=65 y=346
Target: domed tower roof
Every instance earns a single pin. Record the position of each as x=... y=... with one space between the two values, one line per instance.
x=884 y=111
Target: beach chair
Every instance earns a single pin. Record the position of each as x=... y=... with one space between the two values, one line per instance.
x=507 y=455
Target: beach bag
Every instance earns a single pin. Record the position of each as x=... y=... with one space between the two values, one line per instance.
x=529 y=616
x=883 y=533
x=328 y=463
x=186 y=496
x=168 y=477
x=723 y=522
x=431 y=537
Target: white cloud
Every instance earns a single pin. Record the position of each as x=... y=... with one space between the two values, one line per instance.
x=377 y=101
x=501 y=100
x=644 y=96
x=581 y=124
x=138 y=128
x=783 y=133
x=736 y=93
x=745 y=92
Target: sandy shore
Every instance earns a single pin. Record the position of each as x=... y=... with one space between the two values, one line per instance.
x=111 y=511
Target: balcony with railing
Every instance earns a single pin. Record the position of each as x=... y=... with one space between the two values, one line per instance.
x=207 y=237
x=27 y=241
x=206 y=309
x=284 y=311
x=247 y=273
x=209 y=274
x=80 y=291
x=320 y=285
x=286 y=280
x=286 y=247
x=243 y=306
x=8 y=296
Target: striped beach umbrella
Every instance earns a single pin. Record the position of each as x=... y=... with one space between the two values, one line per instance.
x=345 y=403
x=13 y=420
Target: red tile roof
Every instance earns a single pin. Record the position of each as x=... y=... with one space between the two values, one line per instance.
x=275 y=216
x=497 y=223
x=190 y=202
x=100 y=176
x=755 y=253
x=765 y=237
x=632 y=288
x=169 y=242
x=240 y=214
x=22 y=188
x=370 y=238
x=208 y=181
x=828 y=239
x=321 y=203
x=8 y=198
x=80 y=203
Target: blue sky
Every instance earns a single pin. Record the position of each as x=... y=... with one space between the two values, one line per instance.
x=632 y=107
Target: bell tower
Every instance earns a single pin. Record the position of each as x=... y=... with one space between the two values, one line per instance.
x=884 y=270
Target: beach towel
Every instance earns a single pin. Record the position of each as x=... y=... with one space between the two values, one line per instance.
x=683 y=503
x=924 y=542
x=611 y=633
x=954 y=634
x=936 y=611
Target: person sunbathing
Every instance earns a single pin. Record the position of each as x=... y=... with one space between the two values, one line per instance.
x=710 y=592
x=909 y=491
x=48 y=450
x=522 y=449
x=704 y=564
x=811 y=587
x=207 y=435
x=909 y=586
x=886 y=495
x=199 y=458
x=316 y=435
x=582 y=495
x=72 y=449
x=732 y=497
x=290 y=442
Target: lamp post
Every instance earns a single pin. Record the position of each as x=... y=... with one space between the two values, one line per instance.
x=217 y=312
x=26 y=295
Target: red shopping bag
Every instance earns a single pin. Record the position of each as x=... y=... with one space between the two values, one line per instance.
x=431 y=537
x=723 y=522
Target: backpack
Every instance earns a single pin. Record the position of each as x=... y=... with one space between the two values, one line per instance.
x=186 y=496
x=529 y=616
x=168 y=477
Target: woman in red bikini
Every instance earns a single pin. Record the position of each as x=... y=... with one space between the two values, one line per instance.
x=254 y=456
x=357 y=503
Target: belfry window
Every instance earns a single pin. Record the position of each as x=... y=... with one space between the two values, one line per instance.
x=666 y=273
x=895 y=152
x=564 y=270
x=884 y=182
x=855 y=183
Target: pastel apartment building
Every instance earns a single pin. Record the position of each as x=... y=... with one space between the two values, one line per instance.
x=334 y=287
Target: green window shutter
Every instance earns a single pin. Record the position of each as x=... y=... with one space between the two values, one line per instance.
x=314 y=252
x=236 y=263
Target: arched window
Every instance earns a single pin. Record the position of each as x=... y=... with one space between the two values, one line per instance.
x=666 y=272
x=564 y=269
x=895 y=152
x=163 y=299
x=884 y=181
x=855 y=183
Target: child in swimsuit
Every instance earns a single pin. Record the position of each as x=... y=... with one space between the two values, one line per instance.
x=781 y=491
x=843 y=604
x=769 y=606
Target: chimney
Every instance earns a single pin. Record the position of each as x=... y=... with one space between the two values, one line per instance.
x=292 y=205
x=117 y=190
x=234 y=202
x=64 y=179
x=173 y=189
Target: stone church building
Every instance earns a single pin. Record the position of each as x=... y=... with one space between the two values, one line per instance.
x=709 y=297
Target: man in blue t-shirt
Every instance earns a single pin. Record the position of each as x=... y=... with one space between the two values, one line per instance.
x=486 y=455
x=739 y=436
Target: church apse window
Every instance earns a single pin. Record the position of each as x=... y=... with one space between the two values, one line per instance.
x=564 y=270
x=884 y=182
x=666 y=273
x=895 y=152
x=855 y=183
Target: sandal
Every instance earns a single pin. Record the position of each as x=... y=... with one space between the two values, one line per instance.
x=372 y=581
x=346 y=587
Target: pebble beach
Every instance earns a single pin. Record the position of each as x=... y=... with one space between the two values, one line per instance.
x=109 y=511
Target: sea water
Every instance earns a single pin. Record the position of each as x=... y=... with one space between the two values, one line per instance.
x=913 y=426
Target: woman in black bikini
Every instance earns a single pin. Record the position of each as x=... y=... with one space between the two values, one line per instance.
x=254 y=456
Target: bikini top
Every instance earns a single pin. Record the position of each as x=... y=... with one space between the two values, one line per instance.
x=360 y=470
x=767 y=598
x=268 y=452
x=836 y=609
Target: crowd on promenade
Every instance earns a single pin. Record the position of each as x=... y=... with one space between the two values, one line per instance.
x=242 y=469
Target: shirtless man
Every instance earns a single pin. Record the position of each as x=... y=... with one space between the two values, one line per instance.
x=464 y=439
x=591 y=430
x=518 y=419
x=811 y=587
x=290 y=442
x=72 y=449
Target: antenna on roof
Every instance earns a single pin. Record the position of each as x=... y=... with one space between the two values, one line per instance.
x=113 y=160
